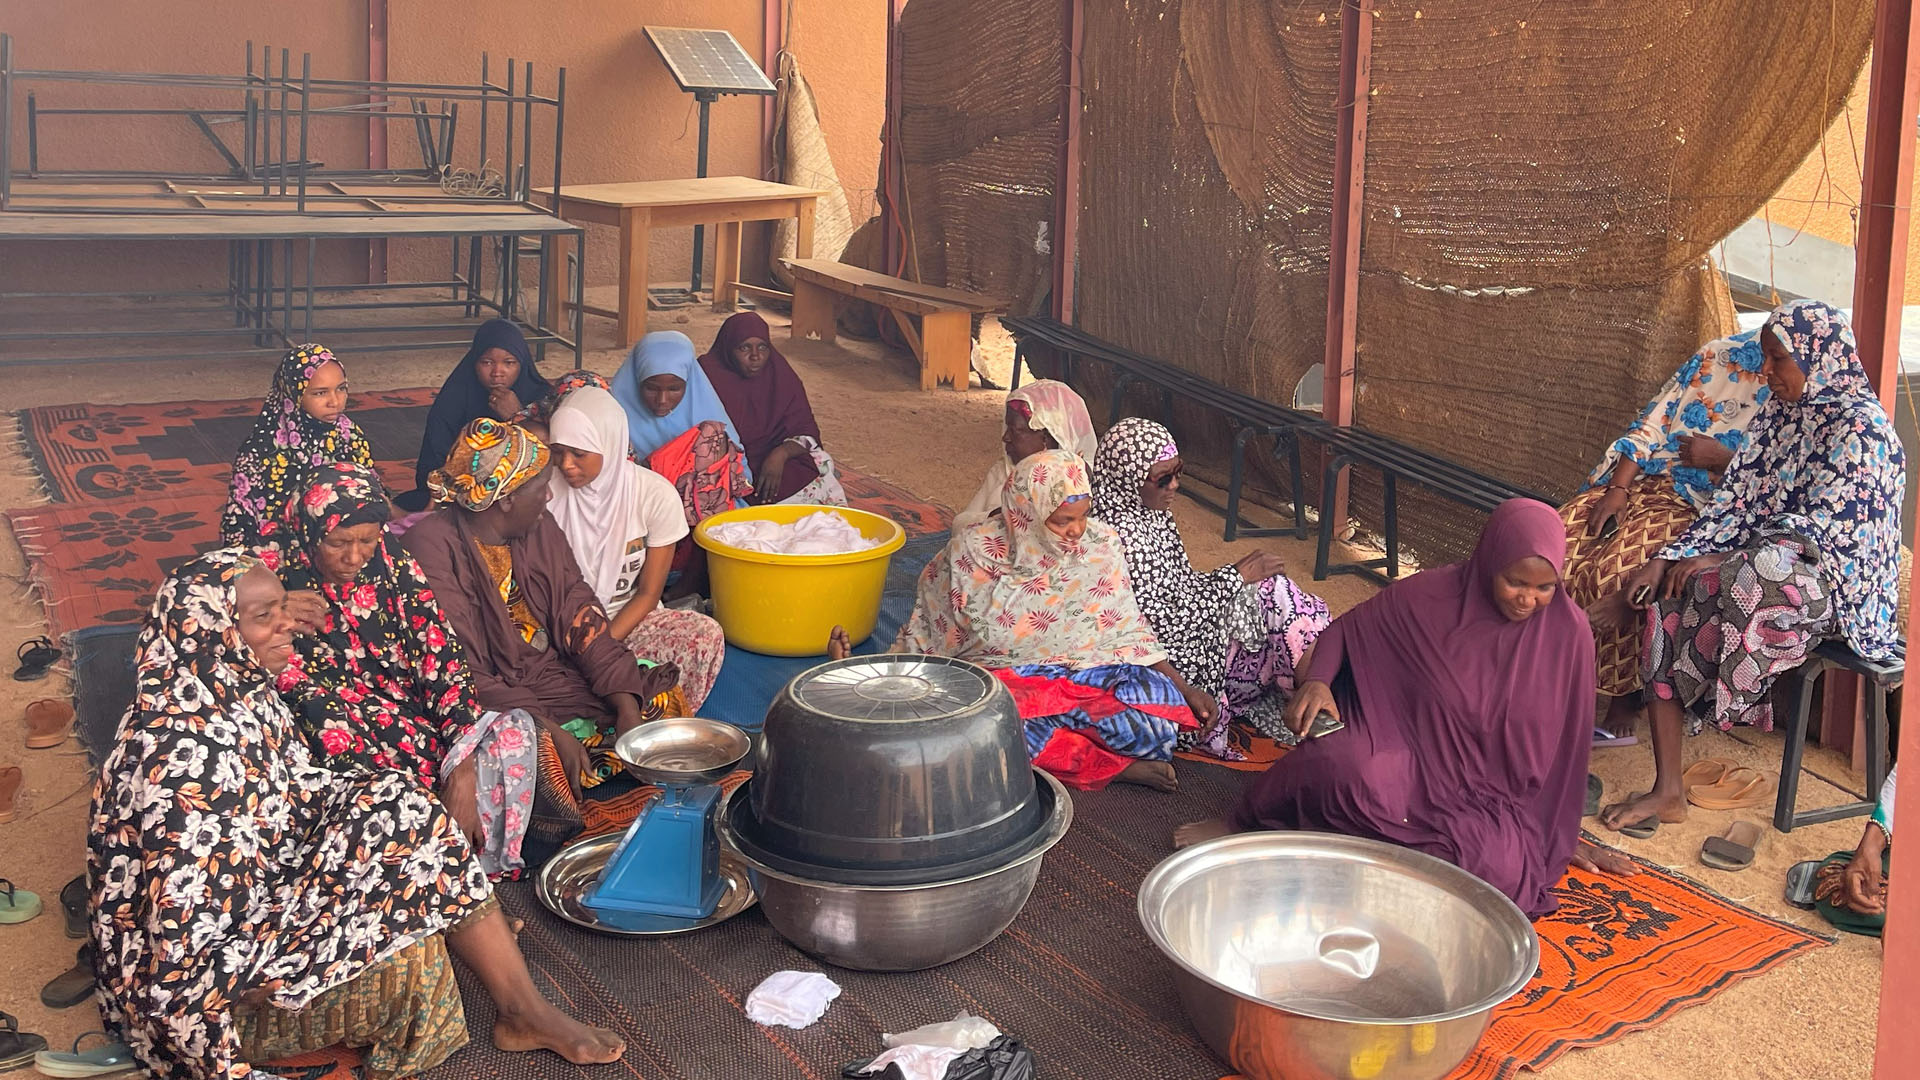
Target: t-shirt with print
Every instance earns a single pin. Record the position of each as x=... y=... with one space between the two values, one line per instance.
x=662 y=522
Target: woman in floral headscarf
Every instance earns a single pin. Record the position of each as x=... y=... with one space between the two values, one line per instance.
x=1238 y=633
x=383 y=685
x=248 y=905
x=1652 y=483
x=1038 y=592
x=303 y=424
x=1801 y=543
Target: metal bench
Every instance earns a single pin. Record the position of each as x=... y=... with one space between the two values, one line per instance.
x=1881 y=680
x=1347 y=446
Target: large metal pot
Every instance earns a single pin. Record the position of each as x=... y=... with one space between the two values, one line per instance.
x=1306 y=956
x=896 y=763
x=901 y=927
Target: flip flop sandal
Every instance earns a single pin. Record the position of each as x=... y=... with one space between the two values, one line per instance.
x=49 y=722
x=1706 y=771
x=17 y=1048
x=74 y=901
x=1741 y=789
x=1642 y=829
x=10 y=781
x=17 y=905
x=72 y=986
x=37 y=657
x=1607 y=740
x=1733 y=849
x=1800 y=882
x=104 y=1060
x=1594 y=790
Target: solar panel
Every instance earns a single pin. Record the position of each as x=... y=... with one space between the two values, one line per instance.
x=708 y=61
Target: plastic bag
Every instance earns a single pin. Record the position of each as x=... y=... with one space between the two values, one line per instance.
x=963 y=1032
x=1001 y=1059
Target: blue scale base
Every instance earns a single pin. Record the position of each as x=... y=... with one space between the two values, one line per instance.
x=669 y=861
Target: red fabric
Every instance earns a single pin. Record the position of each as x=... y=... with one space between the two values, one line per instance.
x=1077 y=758
x=1079 y=761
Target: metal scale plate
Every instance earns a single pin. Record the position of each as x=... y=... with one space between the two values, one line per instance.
x=569 y=875
x=891 y=691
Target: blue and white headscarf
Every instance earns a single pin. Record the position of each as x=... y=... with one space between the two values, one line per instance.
x=1828 y=467
x=1715 y=393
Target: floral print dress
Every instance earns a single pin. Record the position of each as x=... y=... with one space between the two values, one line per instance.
x=384 y=685
x=285 y=444
x=224 y=860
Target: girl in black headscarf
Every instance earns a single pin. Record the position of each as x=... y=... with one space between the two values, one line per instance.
x=496 y=378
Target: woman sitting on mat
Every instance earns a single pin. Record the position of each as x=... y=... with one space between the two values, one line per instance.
x=1850 y=887
x=496 y=378
x=1467 y=698
x=1037 y=591
x=1653 y=482
x=1237 y=634
x=623 y=523
x=1042 y=415
x=303 y=424
x=768 y=405
x=1800 y=544
x=249 y=905
x=379 y=683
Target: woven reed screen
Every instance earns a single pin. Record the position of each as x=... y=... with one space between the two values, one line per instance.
x=1543 y=184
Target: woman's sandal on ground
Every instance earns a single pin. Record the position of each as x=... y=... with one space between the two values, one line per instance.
x=1740 y=789
x=74 y=898
x=104 y=1060
x=49 y=722
x=37 y=657
x=17 y=905
x=1733 y=849
x=11 y=780
x=1705 y=771
x=72 y=986
x=17 y=1048
x=1801 y=878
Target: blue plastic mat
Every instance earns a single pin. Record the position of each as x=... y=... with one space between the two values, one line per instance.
x=748 y=681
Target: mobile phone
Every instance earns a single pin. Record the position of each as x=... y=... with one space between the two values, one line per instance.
x=1640 y=596
x=1610 y=526
x=1324 y=723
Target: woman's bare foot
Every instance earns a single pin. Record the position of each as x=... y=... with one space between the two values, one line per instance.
x=1199 y=832
x=1623 y=713
x=1595 y=859
x=1653 y=804
x=550 y=1029
x=839 y=647
x=1157 y=775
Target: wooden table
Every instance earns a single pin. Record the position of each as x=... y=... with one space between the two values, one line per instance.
x=638 y=207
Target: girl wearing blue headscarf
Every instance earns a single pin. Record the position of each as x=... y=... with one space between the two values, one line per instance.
x=665 y=393
x=1800 y=544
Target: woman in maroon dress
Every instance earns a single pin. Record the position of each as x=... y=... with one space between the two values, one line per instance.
x=769 y=408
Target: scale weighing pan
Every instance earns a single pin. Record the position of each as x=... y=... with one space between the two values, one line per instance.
x=571 y=874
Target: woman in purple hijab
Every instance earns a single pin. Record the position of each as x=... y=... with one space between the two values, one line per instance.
x=1468 y=698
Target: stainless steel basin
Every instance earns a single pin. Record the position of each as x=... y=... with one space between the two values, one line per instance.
x=1307 y=956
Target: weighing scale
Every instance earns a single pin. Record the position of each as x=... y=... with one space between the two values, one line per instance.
x=666 y=873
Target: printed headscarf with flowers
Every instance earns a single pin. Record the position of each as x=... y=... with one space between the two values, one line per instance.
x=1008 y=591
x=1828 y=467
x=383 y=683
x=223 y=860
x=286 y=442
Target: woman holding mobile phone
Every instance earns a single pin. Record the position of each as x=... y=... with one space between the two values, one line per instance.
x=1651 y=484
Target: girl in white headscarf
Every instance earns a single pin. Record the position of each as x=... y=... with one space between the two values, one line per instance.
x=622 y=522
x=1043 y=415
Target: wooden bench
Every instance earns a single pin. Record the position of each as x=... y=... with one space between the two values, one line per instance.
x=942 y=343
x=1346 y=446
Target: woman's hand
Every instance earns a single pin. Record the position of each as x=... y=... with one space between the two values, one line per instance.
x=627 y=713
x=308 y=610
x=1258 y=566
x=460 y=794
x=1595 y=859
x=1682 y=572
x=1609 y=508
x=1866 y=886
x=503 y=402
x=1204 y=707
x=571 y=752
x=1705 y=452
x=256 y=998
x=1310 y=700
x=1640 y=589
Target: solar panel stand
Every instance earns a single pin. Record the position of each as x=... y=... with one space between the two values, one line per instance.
x=706 y=98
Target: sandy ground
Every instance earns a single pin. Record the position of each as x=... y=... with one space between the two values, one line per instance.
x=1813 y=1017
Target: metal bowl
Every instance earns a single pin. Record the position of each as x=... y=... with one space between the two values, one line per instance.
x=924 y=757
x=903 y=927
x=681 y=751
x=1307 y=956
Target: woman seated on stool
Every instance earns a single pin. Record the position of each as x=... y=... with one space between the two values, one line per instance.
x=377 y=682
x=496 y=379
x=1037 y=592
x=623 y=522
x=1467 y=695
x=249 y=905
x=303 y=424
x=1801 y=543
x=1653 y=482
x=1042 y=415
x=768 y=404
x=1239 y=633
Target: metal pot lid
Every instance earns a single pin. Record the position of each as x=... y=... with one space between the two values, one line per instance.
x=893 y=689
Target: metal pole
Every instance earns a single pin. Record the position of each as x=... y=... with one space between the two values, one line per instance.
x=33 y=133
x=700 y=169
x=1349 y=191
x=506 y=155
x=1066 y=217
x=526 y=151
x=306 y=114
x=889 y=215
x=286 y=59
x=559 y=134
x=6 y=120
x=307 y=334
x=485 y=112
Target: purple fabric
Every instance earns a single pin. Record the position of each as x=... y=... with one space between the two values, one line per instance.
x=1466 y=733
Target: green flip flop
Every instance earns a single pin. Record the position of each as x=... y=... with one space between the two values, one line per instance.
x=107 y=1059
x=17 y=905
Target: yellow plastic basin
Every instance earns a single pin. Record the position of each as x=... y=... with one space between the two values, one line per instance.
x=787 y=605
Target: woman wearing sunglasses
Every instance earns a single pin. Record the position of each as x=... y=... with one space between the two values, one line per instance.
x=1238 y=633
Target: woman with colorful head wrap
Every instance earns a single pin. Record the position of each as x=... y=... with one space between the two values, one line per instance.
x=303 y=424
x=1038 y=592
x=381 y=684
x=1801 y=543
